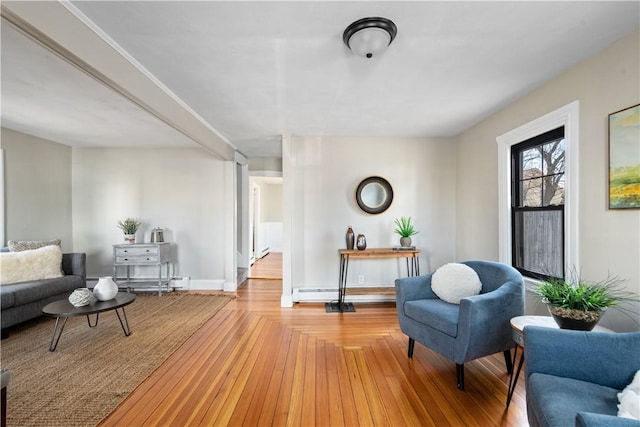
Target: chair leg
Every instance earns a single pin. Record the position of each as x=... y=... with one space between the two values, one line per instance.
x=460 y=374
x=508 y=361
x=412 y=343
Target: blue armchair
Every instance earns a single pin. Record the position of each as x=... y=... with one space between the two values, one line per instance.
x=574 y=377
x=478 y=327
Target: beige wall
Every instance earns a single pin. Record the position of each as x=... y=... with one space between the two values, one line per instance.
x=271 y=198
x=324 y=173
x=179 y=190
x=609 y=239
x=37 y=189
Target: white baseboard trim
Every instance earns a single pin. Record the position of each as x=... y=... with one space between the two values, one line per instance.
x=286 y=300
x=327 y=295
x=204 y=285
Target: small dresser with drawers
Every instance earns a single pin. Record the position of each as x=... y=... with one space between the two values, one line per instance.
x=149 y=260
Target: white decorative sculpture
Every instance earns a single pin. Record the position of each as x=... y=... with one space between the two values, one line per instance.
x=105 y=289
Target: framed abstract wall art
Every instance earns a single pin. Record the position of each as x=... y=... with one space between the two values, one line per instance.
x=624 y=158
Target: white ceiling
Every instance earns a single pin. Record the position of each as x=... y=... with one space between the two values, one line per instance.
x=258 y=70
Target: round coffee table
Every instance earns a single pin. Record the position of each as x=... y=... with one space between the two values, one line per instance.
x=517 y=328
x=63 y=308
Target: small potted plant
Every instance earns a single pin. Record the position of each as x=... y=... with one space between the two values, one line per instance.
x=577 y=304
x=405 y=229
x=129 y=226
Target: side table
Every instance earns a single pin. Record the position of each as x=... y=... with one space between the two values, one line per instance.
x=517 y=326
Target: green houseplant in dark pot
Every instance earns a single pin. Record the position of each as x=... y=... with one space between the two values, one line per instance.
x=578 y=304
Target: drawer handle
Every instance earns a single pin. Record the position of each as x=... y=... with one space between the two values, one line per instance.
x=126 y=259
x=148 y=258
x=147 y=250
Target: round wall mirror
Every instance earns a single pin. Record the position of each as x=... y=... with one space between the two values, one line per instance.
x=374 y=195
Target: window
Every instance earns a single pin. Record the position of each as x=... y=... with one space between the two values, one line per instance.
x=566 y=117
x=537 y=212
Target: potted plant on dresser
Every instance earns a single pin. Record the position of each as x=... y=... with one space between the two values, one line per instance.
x=129 y=227
x=577 y=304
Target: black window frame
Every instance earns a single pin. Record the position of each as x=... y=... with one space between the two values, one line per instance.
x=516 y=167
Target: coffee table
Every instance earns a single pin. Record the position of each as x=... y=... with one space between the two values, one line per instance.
x=63 y=308
x=517 y=327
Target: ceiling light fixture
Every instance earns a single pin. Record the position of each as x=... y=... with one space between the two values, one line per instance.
x=368 y=37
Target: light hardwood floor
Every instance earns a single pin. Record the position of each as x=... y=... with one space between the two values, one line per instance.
x=255 y=363
x=267 y=267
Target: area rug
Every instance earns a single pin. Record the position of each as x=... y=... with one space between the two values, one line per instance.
x=94 y=369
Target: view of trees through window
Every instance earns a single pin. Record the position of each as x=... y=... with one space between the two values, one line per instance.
x=538 y=205
x=542 y=174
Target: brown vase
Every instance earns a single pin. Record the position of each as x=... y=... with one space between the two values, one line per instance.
x=350 y=238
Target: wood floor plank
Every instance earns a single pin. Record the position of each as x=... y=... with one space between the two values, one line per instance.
x=257 y=364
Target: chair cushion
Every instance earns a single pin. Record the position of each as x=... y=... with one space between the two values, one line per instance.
x=555 y=401
x=455 y=281
x=435 y=313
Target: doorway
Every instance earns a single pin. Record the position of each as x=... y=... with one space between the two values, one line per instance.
x=266 y=227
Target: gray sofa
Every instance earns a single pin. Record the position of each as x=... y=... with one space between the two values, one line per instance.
x=24 y=301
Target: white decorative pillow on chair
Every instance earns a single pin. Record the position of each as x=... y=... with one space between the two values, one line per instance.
x=629 y=399
x=35 y=264
x=455 y=281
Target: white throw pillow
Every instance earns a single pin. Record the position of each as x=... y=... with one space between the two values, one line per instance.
x=455 y=281
x=629 y=399
x=36 y=264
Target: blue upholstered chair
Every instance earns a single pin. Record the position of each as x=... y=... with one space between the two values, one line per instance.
x=574 y=377
x=477 y=327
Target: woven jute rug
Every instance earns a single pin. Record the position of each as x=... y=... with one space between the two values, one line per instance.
x=94 y=369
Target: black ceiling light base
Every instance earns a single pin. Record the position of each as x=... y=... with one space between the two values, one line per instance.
x=365 y=24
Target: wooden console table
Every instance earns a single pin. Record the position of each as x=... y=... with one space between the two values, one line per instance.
x=411 y=256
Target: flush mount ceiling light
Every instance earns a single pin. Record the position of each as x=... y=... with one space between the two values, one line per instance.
x=368 y=37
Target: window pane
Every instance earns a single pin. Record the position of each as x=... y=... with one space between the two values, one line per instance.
x=553 y=190
x=539 y=241
x=531 y=191
x=531 y=161
x=553 y=157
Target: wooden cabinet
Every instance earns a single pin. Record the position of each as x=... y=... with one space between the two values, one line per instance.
x=155 y=257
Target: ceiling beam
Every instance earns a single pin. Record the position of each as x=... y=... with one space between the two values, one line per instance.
x=60 y=27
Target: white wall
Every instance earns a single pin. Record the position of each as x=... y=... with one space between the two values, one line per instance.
x=323 y=174
x=179 y=190
x=609 y=239
x=37 y=189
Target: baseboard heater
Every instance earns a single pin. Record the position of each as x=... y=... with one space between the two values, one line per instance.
x=264 y=252
x=328 y=295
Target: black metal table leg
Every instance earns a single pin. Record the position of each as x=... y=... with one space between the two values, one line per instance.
x=95 y=324
x=54 y=339
x=513 y=380
x=125 y=325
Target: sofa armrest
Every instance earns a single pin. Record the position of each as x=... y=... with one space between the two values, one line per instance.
x=75 y=264
x=605 y=358
x=589 y=419
x=484 y=319
x=414 y=288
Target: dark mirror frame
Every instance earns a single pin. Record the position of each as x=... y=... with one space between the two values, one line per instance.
x=388 y=192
